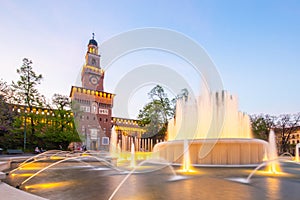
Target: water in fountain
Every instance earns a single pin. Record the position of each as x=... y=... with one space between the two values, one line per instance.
x=274 y=164
x=234 y=124
x=113 y=149
x=75 y=158
x=174 y=177
x=219 y=133
x=186 y=157
x=132 y=160
x=297 y=152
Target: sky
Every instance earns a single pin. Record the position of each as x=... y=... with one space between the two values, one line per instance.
x=255 y=45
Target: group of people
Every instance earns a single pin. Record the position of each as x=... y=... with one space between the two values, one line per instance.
x=71 y=147
x=37 y=150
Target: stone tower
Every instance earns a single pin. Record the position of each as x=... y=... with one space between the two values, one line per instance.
x=92 y=106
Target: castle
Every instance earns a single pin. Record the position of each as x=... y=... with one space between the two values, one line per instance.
x=92 y=109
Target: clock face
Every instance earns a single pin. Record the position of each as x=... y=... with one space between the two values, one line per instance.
x=94 y=80
x=93 y=61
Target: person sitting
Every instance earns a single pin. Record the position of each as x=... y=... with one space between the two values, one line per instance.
x=37 y=150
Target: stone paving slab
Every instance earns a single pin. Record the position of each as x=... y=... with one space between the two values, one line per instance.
x=10 y=193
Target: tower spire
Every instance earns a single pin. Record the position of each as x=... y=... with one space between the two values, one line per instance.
x=93 y=35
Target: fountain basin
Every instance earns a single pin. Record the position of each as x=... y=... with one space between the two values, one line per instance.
x=224 y=151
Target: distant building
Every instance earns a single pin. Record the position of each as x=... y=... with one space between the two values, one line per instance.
x=293 y=139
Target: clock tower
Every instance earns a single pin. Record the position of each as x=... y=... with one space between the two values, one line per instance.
x=92 y=106
x=92 y=75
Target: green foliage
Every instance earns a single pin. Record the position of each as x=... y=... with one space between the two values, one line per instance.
x=8 y=138
x=6 y=116
x=48 y=130
x=261 y=125
x=62 y=130
x=25 y=91
x=155 y=115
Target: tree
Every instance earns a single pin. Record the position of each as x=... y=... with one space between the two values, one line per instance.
x=7 y=117
x=261 y=125
x=286 y=124
x=25 y=93
x=5 y=113
x=61 y=130
x=155 y=115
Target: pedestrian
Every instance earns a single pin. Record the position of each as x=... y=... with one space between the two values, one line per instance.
x=37 y=150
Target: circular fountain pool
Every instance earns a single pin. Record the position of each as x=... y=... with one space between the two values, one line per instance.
x=224 y=151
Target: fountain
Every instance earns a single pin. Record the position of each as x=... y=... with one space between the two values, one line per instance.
x=186 y=157
x=272 y=156
x=132 y=160
x=113 y=147
x=218 y=133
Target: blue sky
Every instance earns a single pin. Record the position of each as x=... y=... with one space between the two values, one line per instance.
x=254 y=44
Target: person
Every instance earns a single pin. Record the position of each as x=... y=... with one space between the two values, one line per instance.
x=37 y=150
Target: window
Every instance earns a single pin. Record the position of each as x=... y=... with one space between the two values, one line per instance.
x=105 y=140
x=103 y=111
x=94 y=134
x=85 y=108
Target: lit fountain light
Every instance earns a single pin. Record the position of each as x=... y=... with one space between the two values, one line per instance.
x=273 y=165
x=186 y=161
x=186 y=166
x=75 y=158
x=48 y=185
x=26 y=165
x=22 y=175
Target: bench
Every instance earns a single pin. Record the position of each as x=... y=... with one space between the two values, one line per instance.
x=14 y=151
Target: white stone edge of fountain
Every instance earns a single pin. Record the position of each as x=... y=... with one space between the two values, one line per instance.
x=225 y=166
x=11 y=193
